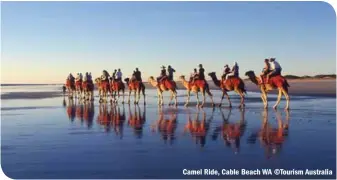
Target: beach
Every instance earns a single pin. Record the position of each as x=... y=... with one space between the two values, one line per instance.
x=315 y=87
x=49 y=136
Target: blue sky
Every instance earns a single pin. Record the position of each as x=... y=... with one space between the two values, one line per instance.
x=44 y=41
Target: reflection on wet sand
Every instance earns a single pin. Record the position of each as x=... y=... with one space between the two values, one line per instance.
x=271 y=138
x=231 y=132
x=104 y=117
x=118 y=119
x=198 y=129
x=71 y=110
x=166 y=126
x=137 y=120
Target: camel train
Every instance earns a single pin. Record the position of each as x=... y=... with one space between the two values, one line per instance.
x=115 y=88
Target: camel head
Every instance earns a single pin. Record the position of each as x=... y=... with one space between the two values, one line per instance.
x=151 y=78
x=127 y=80
x=212 y=74
x=250 y=74
x=97 y=80
x=182 y=77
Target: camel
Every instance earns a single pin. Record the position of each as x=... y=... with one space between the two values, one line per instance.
x=103 y=89
x=70 y=88
x=166 y=85
x=88 y=90
x=116 y=87
x=136 y=87
x=275 y=82
x=232 y=84
x=166 y=126
x=197 y=86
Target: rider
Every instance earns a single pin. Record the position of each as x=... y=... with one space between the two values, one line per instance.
x=201 y=72
x=105 y=75
x=119 y=75
x=170 y=72
x=89 y=78
x=225 y=72
x=71 y=78
x=266 y=69
x=138 y=75
x=275 y=68
x=234 y=72
x=133 y=77
x=194 y=75
x=85 y=78
x=114 y=74
x=162 y=75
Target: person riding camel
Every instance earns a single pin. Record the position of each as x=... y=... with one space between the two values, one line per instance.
x=133 y=76
x=138 y=75
x=234 y=72
x=79 y=77
x=225 y=72
x=119 y=75
x=275 y=69
x=170 y=71
x=265 y=70
x=105 y=76
x=194 y=75
x=201 y=75
x=113 y=77
x=162 y=75
x=71 y=78
x=85 y=78
x=89 y=78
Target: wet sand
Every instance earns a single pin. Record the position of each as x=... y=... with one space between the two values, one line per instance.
x=56 y=138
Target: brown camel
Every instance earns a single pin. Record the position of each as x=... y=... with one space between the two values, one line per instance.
x=166 y=85
x=275 y=82
x=136 y=87
x=197 y=86
x=70 y=88
x=232 y=84
x=116 y=87
x=103 y=89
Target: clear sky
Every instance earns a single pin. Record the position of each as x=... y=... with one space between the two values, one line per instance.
x=43 y=41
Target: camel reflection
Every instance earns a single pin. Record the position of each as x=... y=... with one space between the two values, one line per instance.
x=89 y=114
x=231 y=132
x=136 y=120
x=71 y=110
x=198 y=129
x=271 y=138
x=117 y=120
x=104 y=117
x=166 y=126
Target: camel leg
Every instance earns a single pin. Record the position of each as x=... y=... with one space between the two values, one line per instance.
x=203 y=93
x=188 y=98
x=135 y=97
x=197 y=99
x=278 y=99
x=129 y=96
x=175 y=98
x=285 y=93
x=123 y=92
x=210 y=95
x=171 y=97
x=143 y=91
x=138 y=98
x=159 y=96
x=242 y=96
x=264 y=94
